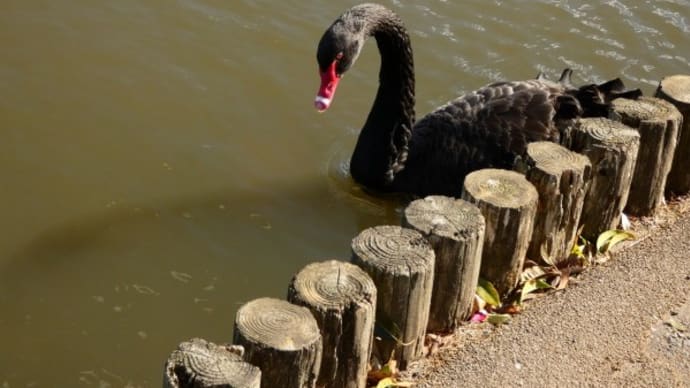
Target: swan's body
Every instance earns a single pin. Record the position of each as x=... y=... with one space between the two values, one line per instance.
x=484 y=128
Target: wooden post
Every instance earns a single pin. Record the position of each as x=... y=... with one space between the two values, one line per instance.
x=282 y=339
x=612 y=149
x=401 y=263
x=198 y=363
x=455 y=230
x=342 y=298
x=508 y=202
x=676 y=90
x=658 y=123
x=561 y=178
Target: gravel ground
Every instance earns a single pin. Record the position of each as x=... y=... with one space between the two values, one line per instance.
x=621 y=325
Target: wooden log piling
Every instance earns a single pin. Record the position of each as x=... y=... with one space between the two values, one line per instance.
x=612 y=149
x=342 y=298
x=658 y=123
x=198 y=363
x=561 y=178
x=401 y=263
x=455 y=230
x=676 y=90
x=282 y=339
x=508 y=203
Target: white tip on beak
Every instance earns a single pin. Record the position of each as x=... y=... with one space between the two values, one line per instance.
x=322 y=103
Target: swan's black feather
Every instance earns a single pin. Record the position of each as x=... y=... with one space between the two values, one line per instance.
x=484 y=128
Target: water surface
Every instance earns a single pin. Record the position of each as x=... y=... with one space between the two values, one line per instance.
x=162 y=163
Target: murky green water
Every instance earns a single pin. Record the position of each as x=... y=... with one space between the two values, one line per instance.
x=162 y=164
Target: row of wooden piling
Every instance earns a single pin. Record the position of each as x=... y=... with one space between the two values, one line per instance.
x=421 y=276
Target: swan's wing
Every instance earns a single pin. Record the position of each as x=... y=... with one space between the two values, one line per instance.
x=485 y=128
x=505 y=115
x=492 y=125
x=514 y=117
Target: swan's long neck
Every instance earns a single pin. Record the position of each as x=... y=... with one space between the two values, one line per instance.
x=382 y=147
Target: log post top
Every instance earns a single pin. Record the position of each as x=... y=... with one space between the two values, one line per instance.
x=277 y=323
x=609 y=131
x=554 y=159
x=677 y=87
x=203 y=363
x=501 y=188
x=443 y=216
x=334 y=285
x=394 y=249
x=632 y=112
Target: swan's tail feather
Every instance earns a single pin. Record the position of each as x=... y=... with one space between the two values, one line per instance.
x=565 y=79
x=591 y=100
x=633 y=94
x=596 y=99
x=614 y=85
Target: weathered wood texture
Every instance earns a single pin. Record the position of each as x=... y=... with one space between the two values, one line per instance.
x=342 y=298
x=658 y=123
x=612 y=149
x=561 y=178
x=455 y=230
x=508 y=203
x=198 y=363
x=282 y=339
x=676 y=90
x=401 y=263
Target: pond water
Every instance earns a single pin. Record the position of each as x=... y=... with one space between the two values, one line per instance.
x=162 y=162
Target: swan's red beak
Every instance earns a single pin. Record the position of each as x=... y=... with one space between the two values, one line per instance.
x=329 y=81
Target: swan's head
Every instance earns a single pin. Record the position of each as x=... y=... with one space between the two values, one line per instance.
x=338 y=50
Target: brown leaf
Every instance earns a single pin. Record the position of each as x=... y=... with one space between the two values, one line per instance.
x=563 y=281
x=511 y=309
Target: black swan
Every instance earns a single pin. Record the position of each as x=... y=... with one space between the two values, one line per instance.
x=484 y=128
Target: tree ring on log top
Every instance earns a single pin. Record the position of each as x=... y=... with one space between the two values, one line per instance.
x=677 y=87
x=607 y=131
x=632 y=112
x=334 y=284
x=444 y=217
x=393 y=248
x=278 y=324
x=554 y=159
x=501 y=188
x=198 y=362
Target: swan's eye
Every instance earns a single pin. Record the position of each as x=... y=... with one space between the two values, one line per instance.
x=339 y=56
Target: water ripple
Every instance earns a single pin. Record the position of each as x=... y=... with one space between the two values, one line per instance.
x=673 y=18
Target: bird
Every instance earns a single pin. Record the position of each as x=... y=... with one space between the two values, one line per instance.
x=485 y=128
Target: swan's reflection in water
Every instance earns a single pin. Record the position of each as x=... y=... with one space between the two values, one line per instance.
x=384 y=208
